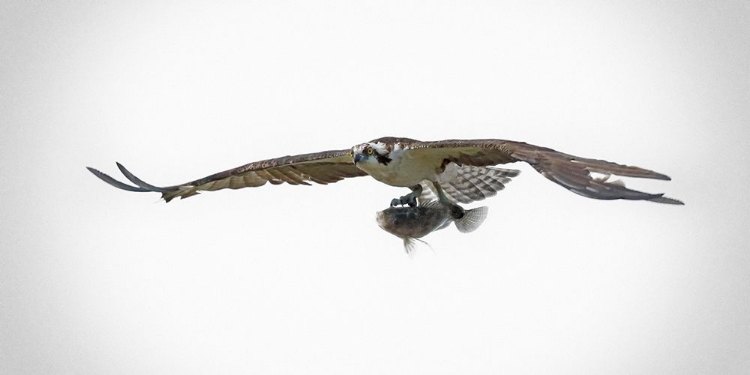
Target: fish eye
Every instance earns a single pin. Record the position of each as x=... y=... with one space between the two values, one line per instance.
x=369 y=151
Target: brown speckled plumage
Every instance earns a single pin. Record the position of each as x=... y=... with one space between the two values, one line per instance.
x=472 y=156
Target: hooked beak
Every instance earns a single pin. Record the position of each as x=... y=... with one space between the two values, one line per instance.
x=357 y=158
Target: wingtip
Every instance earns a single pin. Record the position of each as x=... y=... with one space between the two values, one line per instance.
x=96 y=172
x=138 y=182
x=667 y=200
x=111 y=181
x=122 y=168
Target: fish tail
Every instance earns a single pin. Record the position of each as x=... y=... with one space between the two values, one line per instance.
x=472 y=219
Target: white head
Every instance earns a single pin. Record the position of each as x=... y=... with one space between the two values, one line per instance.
x=371 y=153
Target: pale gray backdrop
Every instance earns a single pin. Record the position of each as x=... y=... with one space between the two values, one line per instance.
x=285 y=279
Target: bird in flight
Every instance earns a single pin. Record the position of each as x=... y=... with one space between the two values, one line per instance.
x=453 y=170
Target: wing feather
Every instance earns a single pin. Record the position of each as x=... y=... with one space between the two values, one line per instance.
x=251 y=180
x=106 y=178
x=320 y=167
x=569 y=171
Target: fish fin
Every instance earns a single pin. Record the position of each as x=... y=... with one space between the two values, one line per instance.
x=443 y=226
x=472 y=219
x=410 y=244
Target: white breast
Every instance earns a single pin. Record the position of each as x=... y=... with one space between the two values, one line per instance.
x=402 y=171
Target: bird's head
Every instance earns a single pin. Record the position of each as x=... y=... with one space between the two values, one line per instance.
x=370 y=153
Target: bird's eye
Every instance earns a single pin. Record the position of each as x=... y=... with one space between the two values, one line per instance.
x=351 y=153
x=369 y=151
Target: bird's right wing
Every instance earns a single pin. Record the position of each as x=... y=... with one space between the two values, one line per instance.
x=320 y=167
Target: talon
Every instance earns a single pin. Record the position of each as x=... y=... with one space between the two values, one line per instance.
x=412 y=201
x=409 y=199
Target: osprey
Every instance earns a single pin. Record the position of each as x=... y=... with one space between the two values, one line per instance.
x=453 y=170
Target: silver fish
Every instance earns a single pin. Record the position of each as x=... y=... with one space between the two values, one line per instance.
x=413 y=223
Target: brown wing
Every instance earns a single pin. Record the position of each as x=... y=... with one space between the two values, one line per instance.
x=568 y=171
x=320 y=167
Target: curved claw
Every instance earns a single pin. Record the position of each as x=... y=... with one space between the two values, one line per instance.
x=412 y=201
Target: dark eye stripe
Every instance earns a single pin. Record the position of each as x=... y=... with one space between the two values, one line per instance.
x=382 y=159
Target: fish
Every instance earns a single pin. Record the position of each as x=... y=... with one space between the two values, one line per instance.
x=412 y=223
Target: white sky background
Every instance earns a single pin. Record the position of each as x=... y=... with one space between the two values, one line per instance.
x=286 y=279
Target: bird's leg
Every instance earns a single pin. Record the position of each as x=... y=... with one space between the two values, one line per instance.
x=456 y=211
x=410 y=199
x=442 y=198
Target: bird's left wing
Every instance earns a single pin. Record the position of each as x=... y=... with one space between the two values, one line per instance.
x=320 y=167
x=571 y=172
